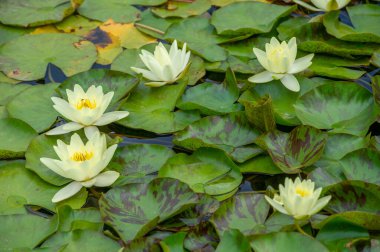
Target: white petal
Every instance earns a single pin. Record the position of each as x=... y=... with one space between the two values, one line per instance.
x=110 y=117
x=308 y=6
x=290 y=82
x=274 y=41
x=65 y=128
x=321 y=203
x=64 y=108
x=263 y=77
x=292 y=45
x=156 y=83
x=67 y=191
x=168 y=73
x=301 y=64
x=89 y=131
x=147 y=74
x=261 y=57
x=107 y=98
x=276 y=205
x=53 y=165
x=88 y=183
x=106 y=178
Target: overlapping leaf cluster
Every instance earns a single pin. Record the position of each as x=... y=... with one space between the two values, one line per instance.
x=230 y=141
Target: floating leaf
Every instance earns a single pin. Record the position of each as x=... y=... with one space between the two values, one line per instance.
x=230 y=133
x=207 y=171
x=364 y=18
x=9 y=32
x=260 y=164
x=34 y=230
x=139 y=161
x=34 y=13
x=286 y=241
x=25 y=59
x=233 y=240
x=173 y=242
x=15 y=136
x=135 y=209
x=119 y=10
x=183 y=9
x=200 y=237
x=258 y=17
x=77 y=25
x=204 y=44
x=85 y=218
x=341 y=107
x=245 y=212
x=34 y=106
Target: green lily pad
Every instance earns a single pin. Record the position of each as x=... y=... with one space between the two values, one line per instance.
x=8 y=91
x=15 y=136
x=25 y=59
x=118 y=10
x=80 y=240
x=9 y=32
x=77 y=25
x=286 y=241
x=34 y=13
x=302 y=147
x=332 y=236
x=173 y=242
x=85 y=218
x=135 y=209
x=34 y=230
x=233 y=240
x=42 y=146
x=375 y=59
x=200 y=237
x=148 y=114
x=340 y=107
x=20 y=187
x=260 y=164
x=207 y=171
x=364 y=18
x=245 y=212
x=34 y=106
x=230 y=133
x=258 y=17
x=139 y=161
x=212 y=99
x=205 y=44
x=312 y=37
x=120 y=83
x=183 y=9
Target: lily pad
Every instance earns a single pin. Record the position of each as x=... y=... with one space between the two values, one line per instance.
x=205 y=44
x=120 y=83
x=364 y=18
x=77 y=25
x=25 y=59
x=260 y=164
x=158 y=117
x=34 y=106
x=15 y=136
x=233 y=240
x=207 y=171
x=135 y=209
x=302 y=147
x=9 y=32
x=258 y=17
x=34 y=13
x=212 y=99
x=340 y=107
x=245 y=212
x=119 y=10
x=20 y=187
x=8 y=91
x=286 y=241
x=34 y=230
x=230 y=133
x=139 y=161
x=183 y=9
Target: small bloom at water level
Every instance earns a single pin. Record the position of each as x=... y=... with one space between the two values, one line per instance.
x=298 y=199
x=280 y=62
x=85 y=110
x=324 y=5
x=164 y=67
x=82 y=163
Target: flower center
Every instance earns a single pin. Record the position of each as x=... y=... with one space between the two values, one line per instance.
x=302 y=192
x=82 y=156
x=86 y=103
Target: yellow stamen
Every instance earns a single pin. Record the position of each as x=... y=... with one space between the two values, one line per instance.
x=86 y=103
x=82 y=156
x=302 y=192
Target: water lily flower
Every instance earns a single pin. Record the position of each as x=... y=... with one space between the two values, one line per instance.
x=85 y=110
x=324 y=5
x=164 y=67
x=298 y=199
x=280 y=62
x=82 y=163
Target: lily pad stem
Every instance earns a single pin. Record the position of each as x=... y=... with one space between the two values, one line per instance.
x=300 y=229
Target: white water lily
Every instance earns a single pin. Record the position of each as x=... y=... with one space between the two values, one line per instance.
x=298 y=199
x=82 y=163
x=164 y=67
x=85 y=110
x=280 y=62
x=324 y=5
